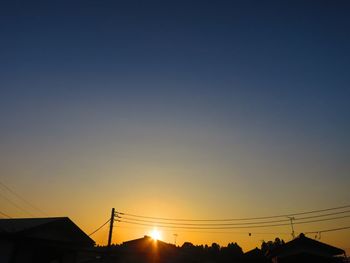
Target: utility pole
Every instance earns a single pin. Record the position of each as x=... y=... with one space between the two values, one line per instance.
x=111 y=228
x=291 y=218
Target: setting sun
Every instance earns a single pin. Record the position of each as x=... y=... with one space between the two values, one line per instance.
x=155 y=234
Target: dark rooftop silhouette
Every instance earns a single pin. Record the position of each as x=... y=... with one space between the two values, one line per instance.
x=303 y=244
x=52 y=228
x=304 y=249
x=55 y=239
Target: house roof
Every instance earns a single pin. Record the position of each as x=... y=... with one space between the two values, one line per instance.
x=147 y=243
x=60 y=229
x=303 y=244
x=17 y=225
x=138 y=240
x=146 y=239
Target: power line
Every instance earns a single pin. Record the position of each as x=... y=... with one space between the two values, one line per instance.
x=201 y=224
x=194 y=228
x=22 y=199
x=252 y=233
x=231 y=224
x=231 y=227
x=99 y=227
x=235 y=219
x=317 y=216
x=16 y=205
x=6 y=215
x=328 y=230
x=210 y=232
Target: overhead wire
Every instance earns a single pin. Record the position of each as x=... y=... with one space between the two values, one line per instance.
x=17 y=206
x=232 y=224
x=201 y=224
x=22 y=199
x=100 y=227
x=207 y=228
x=328 y=230
x=230 y=227
x=209 y=232
x=235 y=219
x=6 y=215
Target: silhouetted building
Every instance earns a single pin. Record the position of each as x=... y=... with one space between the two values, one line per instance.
x=55 y=240
x=147 y=249
x=303 y=249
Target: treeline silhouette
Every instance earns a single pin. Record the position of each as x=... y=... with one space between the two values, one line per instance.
x=149 y=251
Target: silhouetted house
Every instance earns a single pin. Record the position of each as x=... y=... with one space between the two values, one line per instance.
x=55 y=240
x=147 y=249
x=303 y=249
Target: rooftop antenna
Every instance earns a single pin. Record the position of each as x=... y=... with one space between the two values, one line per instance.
x=291 y=218
x=175 y=237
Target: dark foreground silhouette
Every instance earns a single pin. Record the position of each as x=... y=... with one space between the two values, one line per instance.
x=59 y=240
x=299 y=250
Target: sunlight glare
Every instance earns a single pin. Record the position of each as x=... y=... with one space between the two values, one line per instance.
x=155 y=234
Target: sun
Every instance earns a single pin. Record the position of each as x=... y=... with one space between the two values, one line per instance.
x=155 y=234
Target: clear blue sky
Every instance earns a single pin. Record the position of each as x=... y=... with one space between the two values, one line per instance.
x=237 y=103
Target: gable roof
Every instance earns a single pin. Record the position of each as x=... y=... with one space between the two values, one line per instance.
x=60 y=229
x=303 y=244
x=17 y=225
x=146 y=239
x=147 y=243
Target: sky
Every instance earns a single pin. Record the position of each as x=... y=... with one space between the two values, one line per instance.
x=177 y=109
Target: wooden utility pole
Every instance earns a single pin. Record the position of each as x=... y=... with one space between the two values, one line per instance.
x=111 y=228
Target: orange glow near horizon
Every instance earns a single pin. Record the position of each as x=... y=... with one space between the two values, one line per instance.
x=156 y=234
x=247 y=239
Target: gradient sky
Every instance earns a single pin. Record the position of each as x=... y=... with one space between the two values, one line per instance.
x=195 y=109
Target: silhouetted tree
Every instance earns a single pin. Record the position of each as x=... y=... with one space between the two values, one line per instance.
x=187 y=245
x=214 y=251
x=234 y=249
x=231 y=253
x=267 y=247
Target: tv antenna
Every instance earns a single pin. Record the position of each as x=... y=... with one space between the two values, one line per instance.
x=175 y=237
x=291 y=218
